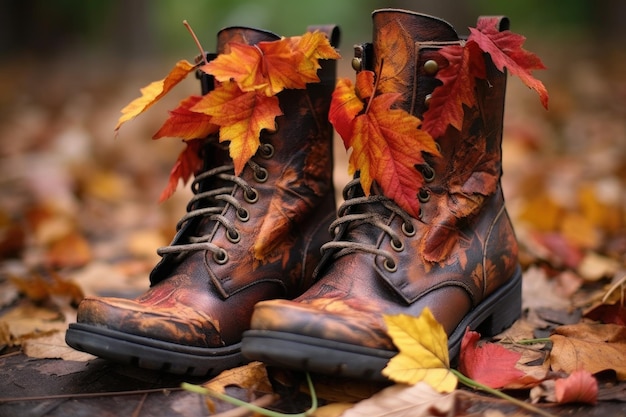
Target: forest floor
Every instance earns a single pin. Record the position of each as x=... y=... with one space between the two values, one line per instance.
x=79 y=216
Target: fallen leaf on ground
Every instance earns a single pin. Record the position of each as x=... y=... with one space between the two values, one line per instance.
x=579 y=387
x=419 y=400
x=589 y=346
x=488 y=363
x=252 y=376
x=423 y=351
x=608 y=313
x=53 y=346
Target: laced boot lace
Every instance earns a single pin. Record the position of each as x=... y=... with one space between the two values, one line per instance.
x=210 y=204
x=359 y=210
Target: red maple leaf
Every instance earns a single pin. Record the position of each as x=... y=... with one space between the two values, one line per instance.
x=505 y=49
x=187 y=164
x=488 y=363
x=466 y=64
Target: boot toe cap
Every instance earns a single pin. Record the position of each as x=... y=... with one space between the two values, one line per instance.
x=177 y=324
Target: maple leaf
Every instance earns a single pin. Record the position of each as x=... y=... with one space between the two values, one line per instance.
x=459 y=80
x=186 y=124
x=241 y=115
x=386 y=143
x=273 y=66
x=505 y=49
x=154 y=91
x=243 y=65
x=187 y=164
x=423 y=351
x=579 y=387
x=489 y=363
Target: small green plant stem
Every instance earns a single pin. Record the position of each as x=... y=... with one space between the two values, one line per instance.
x=477 y=385
x=240 y=403
x=533 y=341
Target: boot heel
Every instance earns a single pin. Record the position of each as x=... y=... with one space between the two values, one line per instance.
x=507 y=307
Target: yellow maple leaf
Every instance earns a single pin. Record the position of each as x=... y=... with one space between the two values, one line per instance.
x=154 y=91
x=423 y=351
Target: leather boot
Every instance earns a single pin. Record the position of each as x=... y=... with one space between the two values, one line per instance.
x=458 y=257
x=204 y=288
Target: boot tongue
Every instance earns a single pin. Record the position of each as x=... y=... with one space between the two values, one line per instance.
x=396 y=38
x=240 y=34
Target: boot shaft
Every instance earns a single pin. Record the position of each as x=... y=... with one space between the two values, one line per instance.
x=291 y=187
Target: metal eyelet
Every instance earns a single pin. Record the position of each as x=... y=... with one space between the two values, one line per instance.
x=243 y=215
x=423 y=195
x=408 y=229
x=390 y=265
x=427 y=99
x=357 y=64
x=253 y=198
x=267 y=150
x=261 y=175
x=398 y=246
x=220 y=257
x=234 y=237
x=428 y=173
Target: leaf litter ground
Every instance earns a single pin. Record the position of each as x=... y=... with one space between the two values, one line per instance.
x=78 y=215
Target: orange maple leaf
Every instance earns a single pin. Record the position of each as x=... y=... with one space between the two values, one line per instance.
x=186 y=124
x=273 y=66
x=505 y=49
x=241 y=115
x=187 y=164
x=386 y=143
x=154 y=91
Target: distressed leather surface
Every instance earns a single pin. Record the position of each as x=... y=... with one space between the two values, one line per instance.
x=463 y=247
x=196 y=301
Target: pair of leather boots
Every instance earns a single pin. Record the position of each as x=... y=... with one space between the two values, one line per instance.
x=309 y=301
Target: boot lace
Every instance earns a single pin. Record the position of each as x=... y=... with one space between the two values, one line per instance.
x=211 y=204
x=354 y=213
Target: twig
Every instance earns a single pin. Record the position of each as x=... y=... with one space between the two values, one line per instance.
x=140 y=405
x=195 y=39
x=88 y=395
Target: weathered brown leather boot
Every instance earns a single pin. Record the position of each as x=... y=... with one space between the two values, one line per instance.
x=203 y=290
x=458 y=257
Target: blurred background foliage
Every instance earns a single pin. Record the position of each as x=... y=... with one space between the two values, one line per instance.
x=139 y=29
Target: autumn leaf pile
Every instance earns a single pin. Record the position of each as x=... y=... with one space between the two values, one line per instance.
x=243 y=103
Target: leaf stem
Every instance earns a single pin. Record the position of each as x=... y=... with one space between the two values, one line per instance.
x=254 y=408
x=477 y=385
x=195 y=39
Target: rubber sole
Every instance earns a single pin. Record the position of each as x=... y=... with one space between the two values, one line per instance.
x=295 y=351
x=152 y=354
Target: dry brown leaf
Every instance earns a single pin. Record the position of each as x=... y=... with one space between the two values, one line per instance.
x=405 y=401
x=53 y=346
x=252 y=376
x=589 y=346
